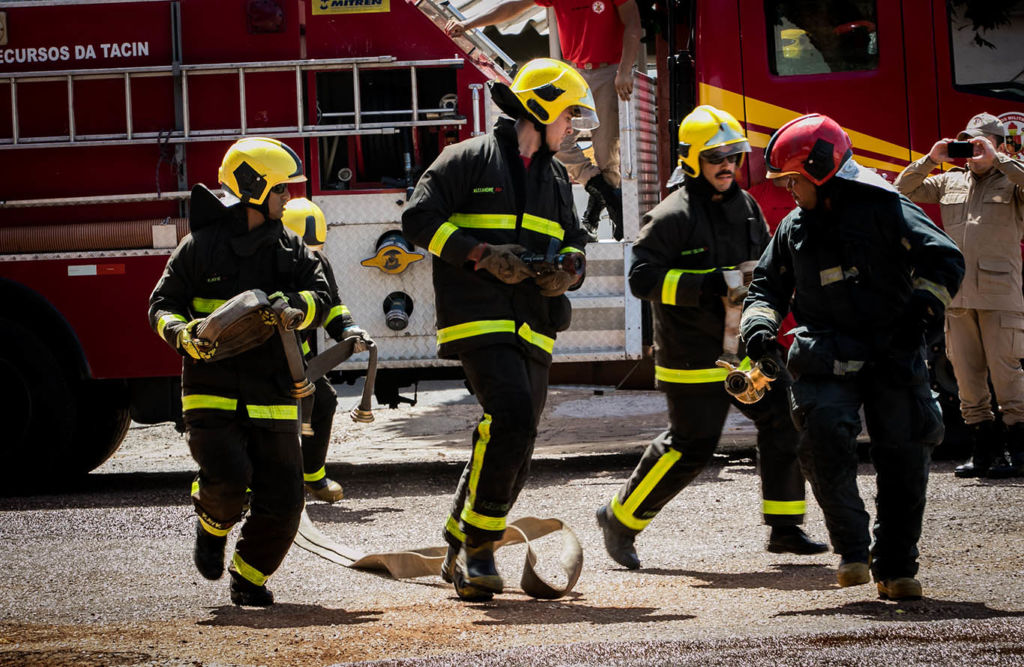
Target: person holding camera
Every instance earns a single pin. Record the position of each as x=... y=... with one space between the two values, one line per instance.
x=982 y=208
x=483 y=205
x=241 y=418
x=686 y=245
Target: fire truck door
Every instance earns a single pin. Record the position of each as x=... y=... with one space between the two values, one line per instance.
x=842 y=58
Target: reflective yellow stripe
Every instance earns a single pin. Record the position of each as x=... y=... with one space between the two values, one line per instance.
x=208 y=402
x=476 y=463
x=281 y=412
x=165 y=320
x=206 y=305
x=219 y=532
x=543 y=226
x=441 y=237
x=483 y=220
x=478 y=328
x=540 y=340
x=935 y=289
x=305 y=347
x=247 y=571
x=452 y=527
x=310 y=308
x=699 y=375
x=337 y=311
x=787 y=507
x=669 y=286
x=569 y=248
x=624 y=512
x=315 y=476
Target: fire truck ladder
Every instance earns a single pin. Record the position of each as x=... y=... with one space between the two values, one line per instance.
x=357 y=121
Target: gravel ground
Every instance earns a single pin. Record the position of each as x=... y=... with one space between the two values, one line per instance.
x=102 y=574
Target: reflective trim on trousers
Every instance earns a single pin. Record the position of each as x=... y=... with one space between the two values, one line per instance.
x=624 y=512
x=248 y=572
x=469 y=515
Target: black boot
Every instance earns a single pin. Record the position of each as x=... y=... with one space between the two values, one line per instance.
x=475 y=577
x=448 y=564
x=987 y=444
x=208 y=554
x=592 y=215
x=793 y=540
x=612 y=198
x=1001 y=469
x=244 y=593
x=618 y=542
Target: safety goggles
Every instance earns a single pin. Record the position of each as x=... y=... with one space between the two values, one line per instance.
x=279 y=189
x=719 y=159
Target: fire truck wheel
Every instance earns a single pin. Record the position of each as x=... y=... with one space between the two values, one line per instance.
x=37 y=409
x=102 y=423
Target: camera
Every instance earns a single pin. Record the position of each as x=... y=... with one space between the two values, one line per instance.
x=960 y=149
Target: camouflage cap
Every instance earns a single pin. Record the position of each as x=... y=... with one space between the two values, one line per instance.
x=983 y=123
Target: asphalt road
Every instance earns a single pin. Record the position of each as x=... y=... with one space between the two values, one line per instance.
x=101 y=574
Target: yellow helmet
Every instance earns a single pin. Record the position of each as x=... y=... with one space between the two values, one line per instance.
x=545 y=87
x=711 y=132
x=252 y=166
x=305 y=219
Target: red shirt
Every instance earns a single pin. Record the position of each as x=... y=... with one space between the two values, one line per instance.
x=589 y=30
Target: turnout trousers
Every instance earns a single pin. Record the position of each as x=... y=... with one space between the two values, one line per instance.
x=697 y=413
x=235 y=456
x=904 y=423
x=512 y=390
x=314 y=447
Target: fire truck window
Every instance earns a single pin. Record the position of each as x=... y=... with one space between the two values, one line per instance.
x=986 y=39
x=821 y=36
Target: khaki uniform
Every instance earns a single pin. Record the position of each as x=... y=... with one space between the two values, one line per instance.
x=605 y=137
x=984 y=215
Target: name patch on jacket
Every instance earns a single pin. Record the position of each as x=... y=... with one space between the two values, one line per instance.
x=494 y=190
x=692 y=251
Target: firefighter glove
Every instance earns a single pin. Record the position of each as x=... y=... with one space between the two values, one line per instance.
x=291 y=318
x=556 y=283
x=363 y=340
x=504 y=263
x=762 y=343
x=196 y=348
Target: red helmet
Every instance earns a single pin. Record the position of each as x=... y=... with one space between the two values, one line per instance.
x=813 y=146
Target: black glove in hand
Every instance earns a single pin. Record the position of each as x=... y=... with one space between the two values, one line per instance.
x=761 y=343
x=503 y=262
x=363 y=340
x=555 y=283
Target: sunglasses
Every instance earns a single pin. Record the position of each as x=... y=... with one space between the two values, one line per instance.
x=719 y=159
x=279 y=189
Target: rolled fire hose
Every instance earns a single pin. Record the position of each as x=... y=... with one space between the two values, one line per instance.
x=427 y=561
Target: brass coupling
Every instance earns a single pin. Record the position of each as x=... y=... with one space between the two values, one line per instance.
x=750 y=386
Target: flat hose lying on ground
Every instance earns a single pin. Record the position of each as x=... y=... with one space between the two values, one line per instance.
x=427 y=561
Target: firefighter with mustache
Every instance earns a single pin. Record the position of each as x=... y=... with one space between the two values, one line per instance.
x=687 y=246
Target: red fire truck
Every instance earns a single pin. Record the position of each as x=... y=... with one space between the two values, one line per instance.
x=111 y=109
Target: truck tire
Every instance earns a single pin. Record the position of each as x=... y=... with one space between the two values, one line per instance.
x=37 y=410
x=102 y=423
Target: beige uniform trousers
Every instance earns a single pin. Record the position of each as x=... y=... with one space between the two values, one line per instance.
x=983 y=342
x=606 y=137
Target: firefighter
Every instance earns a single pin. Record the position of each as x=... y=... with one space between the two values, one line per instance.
x=308 y=222
x=686 y=242
x=865 y=272
x=487 y=208
x=242 y=422
x=601 y=40
x=982 y=207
